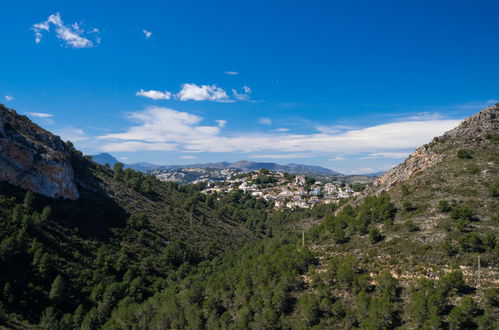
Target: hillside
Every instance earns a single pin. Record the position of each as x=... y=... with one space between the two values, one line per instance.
x=113 y=226
x=133 y=252
x=406 y=258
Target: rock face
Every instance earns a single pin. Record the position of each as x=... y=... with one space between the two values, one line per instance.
x=486 y=121
x=33 y=158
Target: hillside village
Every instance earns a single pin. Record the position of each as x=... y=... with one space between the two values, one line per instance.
x=285 y=190
x=194 y=175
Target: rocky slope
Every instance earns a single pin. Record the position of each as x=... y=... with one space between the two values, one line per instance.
x=33 y=158
x=486 y=121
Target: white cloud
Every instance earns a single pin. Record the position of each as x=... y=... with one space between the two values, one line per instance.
x=39 y=114
x=368 y=170
x=155 y=95
x=131 y=146
x=281 y=156
x=72 y=35
x=337 y=158
x=186 y=132
x=188 y=157
x=71 y=133
x=232 y=73
x=244 y=96
x=202 y=93
x=280 y=130
x=221 y=122
x=265 y=121
x=388 y=155
x=147 y=34
x=157 y=126
x=9 y=98
x=425 y=116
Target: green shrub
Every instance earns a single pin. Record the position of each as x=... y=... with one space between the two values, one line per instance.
x=408 y=206
x=464 y=154
x=375 y=235
x=494 y=190
x=462 y=212
x=411 y=226
x=444 y=206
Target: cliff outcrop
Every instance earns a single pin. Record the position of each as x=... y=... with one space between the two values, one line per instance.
x=33 y=158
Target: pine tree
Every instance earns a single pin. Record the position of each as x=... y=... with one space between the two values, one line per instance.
x=49 y=319
x=29 y=200
x=58 y=289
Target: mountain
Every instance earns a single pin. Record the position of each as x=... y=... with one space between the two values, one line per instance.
x=245 y=165
x=242 y=165
x=104 y=158
x=474 y=135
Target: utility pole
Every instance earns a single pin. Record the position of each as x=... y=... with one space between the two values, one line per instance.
x=303 y=238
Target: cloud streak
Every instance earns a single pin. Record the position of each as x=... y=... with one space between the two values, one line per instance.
x=72 y=35
x=39 y=114
x=154 y=95
x=194 y=92
x=185 y=132
x=265 y=121
x=202 y=93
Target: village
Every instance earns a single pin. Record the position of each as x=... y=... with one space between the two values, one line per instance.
x=285 y=190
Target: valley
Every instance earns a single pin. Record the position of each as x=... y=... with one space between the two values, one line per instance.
x=416 y=248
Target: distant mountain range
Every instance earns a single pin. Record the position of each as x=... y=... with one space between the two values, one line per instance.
x=244 y=165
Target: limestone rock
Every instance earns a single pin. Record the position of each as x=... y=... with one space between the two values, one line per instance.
x=33 y=158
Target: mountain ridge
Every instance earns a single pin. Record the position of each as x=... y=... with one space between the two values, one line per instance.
x=426 y=156
x=245 y=165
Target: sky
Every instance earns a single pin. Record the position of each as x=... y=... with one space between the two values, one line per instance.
x=349 y=85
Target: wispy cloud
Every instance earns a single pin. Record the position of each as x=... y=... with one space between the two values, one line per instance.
x=73 y=35
x=188 y=157
x=147 y=34
x=39 y=114
x=221 y=122
x=186 y=132
x=194 y=92
x=154 y=95
x=244 y=95
x=131 y=146
x=9 y=98
x=265 y=121
x=280 y=130
x=281 y=156
x=71 y=133
x=337 y=158
x=202 y=93
x=232 y=73
x=426 y=116
x=375 y=155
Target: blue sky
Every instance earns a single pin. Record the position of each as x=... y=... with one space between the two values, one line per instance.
x=350 y=85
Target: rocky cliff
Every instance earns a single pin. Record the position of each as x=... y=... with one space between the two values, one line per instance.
x=33 y=158
x=486 y=121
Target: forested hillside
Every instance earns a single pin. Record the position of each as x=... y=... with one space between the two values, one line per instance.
x=136 y=253
x=420 y=252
